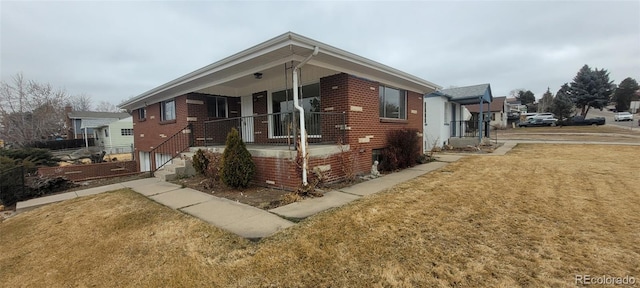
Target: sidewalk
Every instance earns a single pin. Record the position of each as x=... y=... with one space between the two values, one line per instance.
x=241 y=219
x=337 y=198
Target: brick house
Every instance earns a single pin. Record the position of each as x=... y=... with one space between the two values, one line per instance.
x=344 y=98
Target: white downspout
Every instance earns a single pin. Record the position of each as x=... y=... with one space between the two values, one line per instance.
x=86 y=138
x=110 y=139
x=296 y=104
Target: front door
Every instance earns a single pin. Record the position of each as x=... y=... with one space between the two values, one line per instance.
x=246 y=103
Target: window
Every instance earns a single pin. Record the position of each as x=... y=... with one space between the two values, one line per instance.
x=282 y=102
x=168 y=110
x=126 y=132
x=217 y=107
x=393 y=103
x=142 y=113
x=106 y=133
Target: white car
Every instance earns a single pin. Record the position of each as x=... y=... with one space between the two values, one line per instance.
x=541 y=116
x=623 y=116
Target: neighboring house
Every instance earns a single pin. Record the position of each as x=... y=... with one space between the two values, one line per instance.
x=445 y=121
x=116 y=137
x=345 y=98
x=514 y=105
x=497 y=112
x=82 y=123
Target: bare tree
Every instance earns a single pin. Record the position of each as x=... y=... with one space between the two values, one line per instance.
x=105 y=106
x=81 y=102
x=30 y=111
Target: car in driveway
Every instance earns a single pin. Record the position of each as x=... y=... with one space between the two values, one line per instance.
x=623 y=116
x=537 y=122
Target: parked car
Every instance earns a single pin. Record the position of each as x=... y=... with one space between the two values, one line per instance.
x=623 y=116
x=541 y=116
x=580 y=121
x=536 y=122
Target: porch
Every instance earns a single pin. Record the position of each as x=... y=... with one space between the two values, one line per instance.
x=276 y=129
x=469 y=128
x=467 y=133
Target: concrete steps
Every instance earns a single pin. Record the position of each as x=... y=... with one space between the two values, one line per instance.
x=179 y=167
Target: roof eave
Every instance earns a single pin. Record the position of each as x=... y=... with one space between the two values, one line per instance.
x=283 y=40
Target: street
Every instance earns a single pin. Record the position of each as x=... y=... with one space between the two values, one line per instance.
x=609 y=116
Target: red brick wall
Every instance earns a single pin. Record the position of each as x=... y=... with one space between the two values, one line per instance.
x=343 y=92
x=91 y=171
x=282 y=173
x=148 y=132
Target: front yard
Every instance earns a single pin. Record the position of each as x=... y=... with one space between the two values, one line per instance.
x=536 y=217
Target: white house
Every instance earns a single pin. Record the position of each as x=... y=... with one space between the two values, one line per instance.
x=116 y=137
x=445 y=119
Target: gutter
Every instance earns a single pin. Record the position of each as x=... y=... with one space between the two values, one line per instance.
x=296 y=104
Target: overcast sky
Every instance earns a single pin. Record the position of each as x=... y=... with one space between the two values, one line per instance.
x=115 y=50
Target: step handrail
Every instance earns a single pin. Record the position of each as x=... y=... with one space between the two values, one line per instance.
x=175 y=143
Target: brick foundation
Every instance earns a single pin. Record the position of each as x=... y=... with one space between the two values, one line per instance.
x=91 y=171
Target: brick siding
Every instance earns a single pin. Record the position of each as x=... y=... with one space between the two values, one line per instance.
x=342 y=92
x=358 y=98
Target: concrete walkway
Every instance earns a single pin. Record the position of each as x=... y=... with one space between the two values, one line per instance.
x=241 y=219
x=332 y=199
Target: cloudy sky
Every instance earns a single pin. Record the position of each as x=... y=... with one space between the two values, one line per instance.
x=115 y=50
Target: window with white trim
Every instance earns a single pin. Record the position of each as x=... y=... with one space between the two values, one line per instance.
x=142 y=113
x=168 y=110
x=126 y=132
x=393 y=103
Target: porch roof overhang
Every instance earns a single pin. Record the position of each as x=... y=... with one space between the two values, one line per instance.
x=467 y=95
x=232 y=76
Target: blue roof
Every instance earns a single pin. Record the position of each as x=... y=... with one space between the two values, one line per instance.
x=467 y=95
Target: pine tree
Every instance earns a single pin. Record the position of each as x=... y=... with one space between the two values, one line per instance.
x=562 y=105
x=237 y=165
x=625 y=93
x=544 y=105
x=591 y=88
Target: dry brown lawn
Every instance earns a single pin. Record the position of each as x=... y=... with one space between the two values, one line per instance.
x=535 y=217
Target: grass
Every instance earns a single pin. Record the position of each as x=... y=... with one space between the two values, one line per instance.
x=535 y=217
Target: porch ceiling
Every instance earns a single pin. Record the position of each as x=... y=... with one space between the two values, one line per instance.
x=233 y=76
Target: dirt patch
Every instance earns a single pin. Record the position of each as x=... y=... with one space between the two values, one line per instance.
x=536 y=217
x=260 y=197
